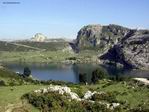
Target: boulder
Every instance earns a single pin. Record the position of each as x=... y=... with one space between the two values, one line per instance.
x=88 y=95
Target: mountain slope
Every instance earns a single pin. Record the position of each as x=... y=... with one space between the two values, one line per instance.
x=99 y=37
x=26 y=46
x=9 y=46
x=114 y=43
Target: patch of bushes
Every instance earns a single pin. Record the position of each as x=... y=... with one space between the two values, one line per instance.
x=108 y=97
x=55 y=102
x=71 y=58
x=46 y=102
x=55 y=82
x=120 y=78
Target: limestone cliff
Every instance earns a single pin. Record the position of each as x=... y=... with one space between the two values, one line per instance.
x=129 y=47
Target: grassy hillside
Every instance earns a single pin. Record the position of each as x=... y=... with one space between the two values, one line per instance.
x=8 y=77
x=7 y=46
x=11 y=99
x=49 y=56
x=49 y=46
x=12 y=87
x=36 y=56
x=25 y=46
x=25 y=51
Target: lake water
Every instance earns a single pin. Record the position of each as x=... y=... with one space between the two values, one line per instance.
x=70 y=72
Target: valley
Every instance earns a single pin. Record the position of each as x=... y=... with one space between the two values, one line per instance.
x=110 y=90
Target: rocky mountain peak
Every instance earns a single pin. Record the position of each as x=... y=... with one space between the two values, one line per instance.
x=39 y=37
x=99 y=37
x=114 y=43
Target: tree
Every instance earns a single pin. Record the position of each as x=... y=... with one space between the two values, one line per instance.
x=27 y=72
x=2 y=83
x=98 y=74
x=82 y=78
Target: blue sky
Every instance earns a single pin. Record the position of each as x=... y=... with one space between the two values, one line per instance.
x=64 y=18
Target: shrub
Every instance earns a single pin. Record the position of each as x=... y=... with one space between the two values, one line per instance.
x=71 y=58
x=98 y=74
x=27 y=72
x=55 y=102
x=13 y=82
x=2 y=83
x=82 y=78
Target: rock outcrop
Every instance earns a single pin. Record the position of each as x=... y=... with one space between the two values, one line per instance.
x=128 y=47
x=39 y=38
x=60 y=90
x=73 y=96
x=99 y=37
x=132 y=52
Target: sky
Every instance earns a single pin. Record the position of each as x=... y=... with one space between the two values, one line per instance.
x=64 y=18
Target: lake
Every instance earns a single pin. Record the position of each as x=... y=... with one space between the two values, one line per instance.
x=70 y=72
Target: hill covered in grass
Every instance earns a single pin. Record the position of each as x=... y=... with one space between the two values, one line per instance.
x=48 y=46
x=26 y=46
x=12 y=47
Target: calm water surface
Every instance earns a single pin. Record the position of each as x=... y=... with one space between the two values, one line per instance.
x=69 y=72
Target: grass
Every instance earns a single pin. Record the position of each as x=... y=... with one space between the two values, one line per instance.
x=46 y=56
x=49 y=46
x=125 y=93
x=36 y=56
x=8 y=76
x=133 y=96
x=9 y=96
x=42 y=52
x=32 y=46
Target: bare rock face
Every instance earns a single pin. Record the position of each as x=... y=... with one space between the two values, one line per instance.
x=99 y=38
x=88 y=36
x=132 y=52
x=128 y=47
